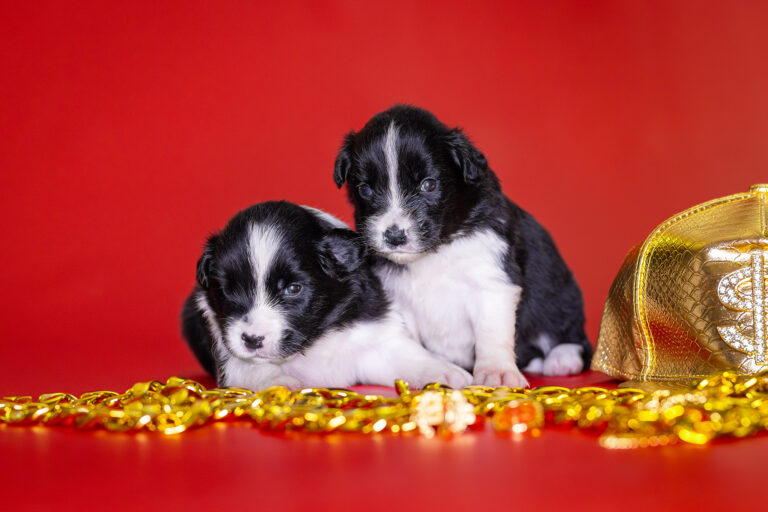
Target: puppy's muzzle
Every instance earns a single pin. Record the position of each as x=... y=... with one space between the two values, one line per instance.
x=252 y=342
x=394 y=236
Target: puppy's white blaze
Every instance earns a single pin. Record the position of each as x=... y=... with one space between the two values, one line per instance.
x=390 y=153
x=395 y=215
x=327 y=217
x=264 y=318
x=263 y=243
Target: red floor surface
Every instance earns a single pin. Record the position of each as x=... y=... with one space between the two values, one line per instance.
x=235 y=466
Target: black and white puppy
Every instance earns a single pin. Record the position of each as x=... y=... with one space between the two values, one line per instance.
x=285 y=297
x=479 y=281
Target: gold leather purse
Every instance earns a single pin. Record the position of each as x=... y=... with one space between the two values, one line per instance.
x=692 y=299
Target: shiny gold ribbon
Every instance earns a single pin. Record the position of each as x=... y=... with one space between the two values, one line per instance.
x=725 y=404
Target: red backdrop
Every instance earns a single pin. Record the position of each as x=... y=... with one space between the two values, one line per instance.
x=129 y=132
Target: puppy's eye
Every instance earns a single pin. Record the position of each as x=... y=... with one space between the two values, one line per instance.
x=365 y=191
x=292 y=290
x=428 y=185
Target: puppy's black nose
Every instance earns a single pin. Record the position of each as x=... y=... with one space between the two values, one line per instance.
x=252 y=342
x=395 y=236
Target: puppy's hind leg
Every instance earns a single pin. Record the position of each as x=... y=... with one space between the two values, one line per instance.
x=530 y=356
x=573 y=353
x=564 y=359
x=568 y=358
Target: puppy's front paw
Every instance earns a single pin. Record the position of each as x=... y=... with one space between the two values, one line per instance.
x=456 y=377
x=499 y=375
x=286 y=381
x=564 y=359
x=263 y=383
x=444 y=373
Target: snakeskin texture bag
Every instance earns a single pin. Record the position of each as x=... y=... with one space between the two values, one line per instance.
x=692 y=299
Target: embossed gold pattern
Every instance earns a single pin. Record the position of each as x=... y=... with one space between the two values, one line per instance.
x=691 y=300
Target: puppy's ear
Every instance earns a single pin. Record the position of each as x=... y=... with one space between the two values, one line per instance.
x=341 y=252
x=467 y=157
x=343 y=160
x=205 y=263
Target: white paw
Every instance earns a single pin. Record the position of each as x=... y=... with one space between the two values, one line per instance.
x=564 y=359
x=286 y=381
x=267 y=382
x=255 y=375
x=444 y=373
x=499 y=375
x=535 y=366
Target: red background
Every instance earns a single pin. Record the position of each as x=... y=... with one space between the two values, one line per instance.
x=129 y=132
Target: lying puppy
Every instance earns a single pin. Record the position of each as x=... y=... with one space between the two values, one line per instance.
x=284 y=297
x=478 y=280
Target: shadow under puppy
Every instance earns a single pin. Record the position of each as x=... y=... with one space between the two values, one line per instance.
x=285 y=297
x=478 y=280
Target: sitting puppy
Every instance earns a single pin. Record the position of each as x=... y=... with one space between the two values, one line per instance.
x=478 y=280
x=284 y=297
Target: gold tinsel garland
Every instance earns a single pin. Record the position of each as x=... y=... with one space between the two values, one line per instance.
x=723 y=405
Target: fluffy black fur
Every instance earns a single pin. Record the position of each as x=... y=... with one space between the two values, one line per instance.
x=468 y=198
x=338 y=286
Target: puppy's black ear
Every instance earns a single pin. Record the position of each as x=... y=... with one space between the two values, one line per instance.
x=205 y=263
x=341 y=252
x=343 y=160
x=467 y=157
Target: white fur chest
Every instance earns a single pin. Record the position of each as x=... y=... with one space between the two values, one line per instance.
x=439 y=293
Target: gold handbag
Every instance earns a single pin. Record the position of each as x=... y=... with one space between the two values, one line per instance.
x=692 y=299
